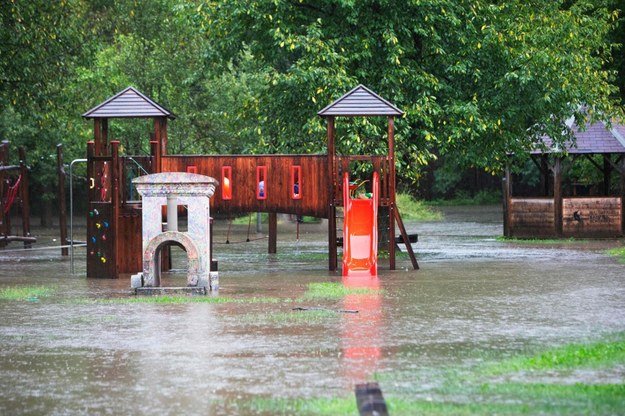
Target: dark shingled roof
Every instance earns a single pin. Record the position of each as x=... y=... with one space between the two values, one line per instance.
x=361 y=101
x=597 y=138
x=128 y=103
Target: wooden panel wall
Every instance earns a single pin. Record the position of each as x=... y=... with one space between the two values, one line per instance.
x=532 y=218
x=314 y=182
x=592 y=217
x=599 y=217
x=130 y=246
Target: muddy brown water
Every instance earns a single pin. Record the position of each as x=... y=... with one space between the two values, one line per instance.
x=473 y=297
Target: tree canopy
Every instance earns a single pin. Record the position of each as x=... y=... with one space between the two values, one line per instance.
x=477 y=79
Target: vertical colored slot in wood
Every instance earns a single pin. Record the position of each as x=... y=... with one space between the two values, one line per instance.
x=261 y=182
x=226 y=182
x=296 y=182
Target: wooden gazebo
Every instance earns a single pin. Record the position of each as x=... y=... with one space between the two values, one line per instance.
x=560 y=212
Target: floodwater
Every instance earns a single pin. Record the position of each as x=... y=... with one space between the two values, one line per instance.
x=474 y=296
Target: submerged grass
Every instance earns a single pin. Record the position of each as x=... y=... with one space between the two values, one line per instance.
x=308 y=406
x=491 y=388
x=315 y=291
x=180 y=299
x=517 y=385
x=309 y=317
x=542 y=241
x=334 y=291
x=572 y=356
x=618 y=252
x=19 y=293
x=464 y=198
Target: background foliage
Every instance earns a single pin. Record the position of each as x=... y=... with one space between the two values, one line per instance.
x=477 y=79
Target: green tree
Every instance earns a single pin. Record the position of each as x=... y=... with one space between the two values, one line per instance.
x=40 y=44
x=477 y=79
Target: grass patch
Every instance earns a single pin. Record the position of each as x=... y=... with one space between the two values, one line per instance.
x=301 y=256
x=618 y=252
x=334 y=291
x=251 y=219
x=264 y=219
x=308 y=406
x=522 y=399
x=411 y=209
x=180 y=299
x=517 y=385
x=540 y=241
x=464 y=198
x=600 y=354
x=31 y=293
x=309 y=317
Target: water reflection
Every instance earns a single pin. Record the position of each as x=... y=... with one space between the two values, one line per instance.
x=474 y=297
x=361 y=331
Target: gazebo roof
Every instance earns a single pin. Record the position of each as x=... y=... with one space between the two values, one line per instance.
x=129 y=103
x=361 y=101
x=596 y=138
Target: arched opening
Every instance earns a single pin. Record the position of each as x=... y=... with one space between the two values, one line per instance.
x=152 y=256
x=174 y=264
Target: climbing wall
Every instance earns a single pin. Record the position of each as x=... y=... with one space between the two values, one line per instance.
x=100 y=222
x=100 y=247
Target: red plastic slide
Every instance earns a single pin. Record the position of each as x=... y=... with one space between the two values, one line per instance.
x=360 y=231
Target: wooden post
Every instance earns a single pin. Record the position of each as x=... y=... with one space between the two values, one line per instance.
x=607 y=172
x=97 y=136
x=24 y=196
x=406 y=239
x=153 y=152
x=163 y=126
x=61 y=200
x=622 y=172
x=115 y=175
x=160 y=136
x=507 y=195
x=392 y=190
x=4 y=156
x=159 y=146
x=544 y=174
x=557 y=195
x=273 y=233
x=105 y=136
x=332 y=254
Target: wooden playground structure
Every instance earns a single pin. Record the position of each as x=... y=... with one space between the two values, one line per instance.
x=292 y=184
x=14 y=195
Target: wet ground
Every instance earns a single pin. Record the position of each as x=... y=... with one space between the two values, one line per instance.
x=474 y=296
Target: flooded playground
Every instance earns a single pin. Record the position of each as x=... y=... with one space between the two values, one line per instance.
x=266 y=338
